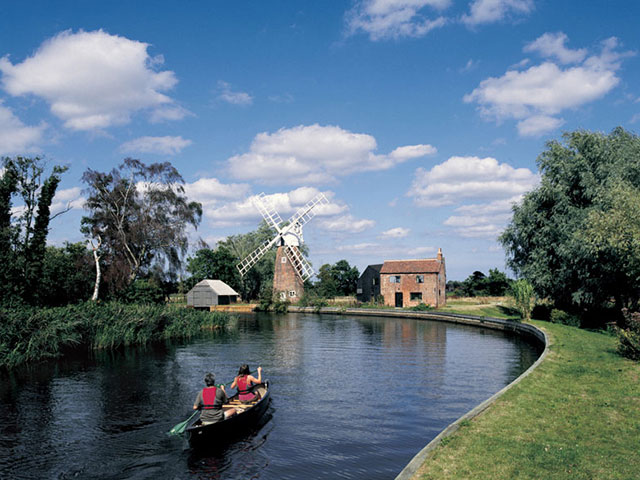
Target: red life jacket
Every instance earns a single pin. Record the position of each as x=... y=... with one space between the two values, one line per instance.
x=242 y=384
x=209 y=398
x=243 y=391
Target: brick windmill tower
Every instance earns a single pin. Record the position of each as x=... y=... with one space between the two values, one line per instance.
x=291 y=268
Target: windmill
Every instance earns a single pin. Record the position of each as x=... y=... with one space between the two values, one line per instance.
x=291 y=268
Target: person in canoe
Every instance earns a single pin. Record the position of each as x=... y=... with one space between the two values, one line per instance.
x=244 y=381
x=210 y=399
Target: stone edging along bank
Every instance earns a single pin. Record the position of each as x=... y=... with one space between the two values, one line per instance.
x=523 y=329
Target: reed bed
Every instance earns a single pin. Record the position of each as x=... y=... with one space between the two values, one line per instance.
x=30 y=334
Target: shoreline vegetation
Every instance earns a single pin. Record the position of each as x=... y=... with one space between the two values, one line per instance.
x=576 y=416
x=31 y=334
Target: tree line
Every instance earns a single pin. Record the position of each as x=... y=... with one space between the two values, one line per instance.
x=137 y=224
x=136 y=230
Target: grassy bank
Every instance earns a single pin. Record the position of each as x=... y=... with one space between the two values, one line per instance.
x=576 y=417
x=32 y=334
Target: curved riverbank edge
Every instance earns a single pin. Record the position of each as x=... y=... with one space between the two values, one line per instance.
x=523 y=329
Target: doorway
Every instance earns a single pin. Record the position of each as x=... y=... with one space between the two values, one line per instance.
x=399 y=299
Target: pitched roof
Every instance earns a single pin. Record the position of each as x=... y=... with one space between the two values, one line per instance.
x=219 y=287
x=375 y=267
x=429 y=265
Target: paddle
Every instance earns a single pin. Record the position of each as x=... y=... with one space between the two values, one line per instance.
x=182 y=426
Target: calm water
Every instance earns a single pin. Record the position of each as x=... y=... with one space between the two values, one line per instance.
x=351 y=398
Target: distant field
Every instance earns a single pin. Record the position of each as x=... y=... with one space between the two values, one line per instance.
x=499 y=307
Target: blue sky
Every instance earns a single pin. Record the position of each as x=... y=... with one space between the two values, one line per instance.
x=420 y=120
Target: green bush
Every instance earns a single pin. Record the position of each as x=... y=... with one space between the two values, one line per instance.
x=265 y=298
x=280 y=305
x=564 y=318
x=541 y=311
x=522 y=293
x=629 y=335
x=143 y=292
x=421 y=307
x=313 y=300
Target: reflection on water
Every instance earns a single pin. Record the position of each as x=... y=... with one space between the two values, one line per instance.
x=351 y=398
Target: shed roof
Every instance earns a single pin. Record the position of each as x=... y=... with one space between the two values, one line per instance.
x=218 y=286
x=427 y=265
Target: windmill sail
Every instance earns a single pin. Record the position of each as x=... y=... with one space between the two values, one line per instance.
x=306 y=213
x=288 y=235
x=302 y=267
x=267 y=211
x=250 y=260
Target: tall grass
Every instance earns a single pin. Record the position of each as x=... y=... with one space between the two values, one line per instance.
x=29 y=334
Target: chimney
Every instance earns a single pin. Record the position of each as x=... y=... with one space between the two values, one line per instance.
x=439 y=257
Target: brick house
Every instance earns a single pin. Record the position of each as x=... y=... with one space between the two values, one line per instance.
x=406 y=283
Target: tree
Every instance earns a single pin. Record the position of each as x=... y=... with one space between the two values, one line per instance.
x=497 y=283
x=339 y=279
x=8 y=186
x=261 y=274
x=218 y=264
x=141 y=214
x=66 y=274
x=326 y=284
x=346 y=277
x=548 y=241
x=23 y=239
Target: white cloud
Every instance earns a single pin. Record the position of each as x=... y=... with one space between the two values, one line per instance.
x=315 y=154
x=409 y=152
x=211 y=189
x=398 y=232
x=470 y=65
x=347 y=223
x=421 y=251
x=382 y=19
x=537 y=95
x=67 y=199
x=161 y=145
x=15 y=136
x=93 y=80
x=491 y=11
x=552 y=45
x=482 y=220
x=377 y=252
x=538 y=125
x=168 y=113
x=235 y=98
x=358 y=248
x=286 y=204
x=461 y=178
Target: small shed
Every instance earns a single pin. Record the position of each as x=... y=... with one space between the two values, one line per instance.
x=211 y=292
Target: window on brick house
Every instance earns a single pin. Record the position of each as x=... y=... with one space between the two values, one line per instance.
x=419 y=278
x=415 y=296
x=394 y=279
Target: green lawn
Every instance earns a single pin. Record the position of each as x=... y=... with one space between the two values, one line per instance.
x=577 y=416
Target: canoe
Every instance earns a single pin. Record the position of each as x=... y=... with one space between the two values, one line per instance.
x=248 y=415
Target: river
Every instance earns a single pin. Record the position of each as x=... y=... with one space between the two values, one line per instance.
x=352 y=398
